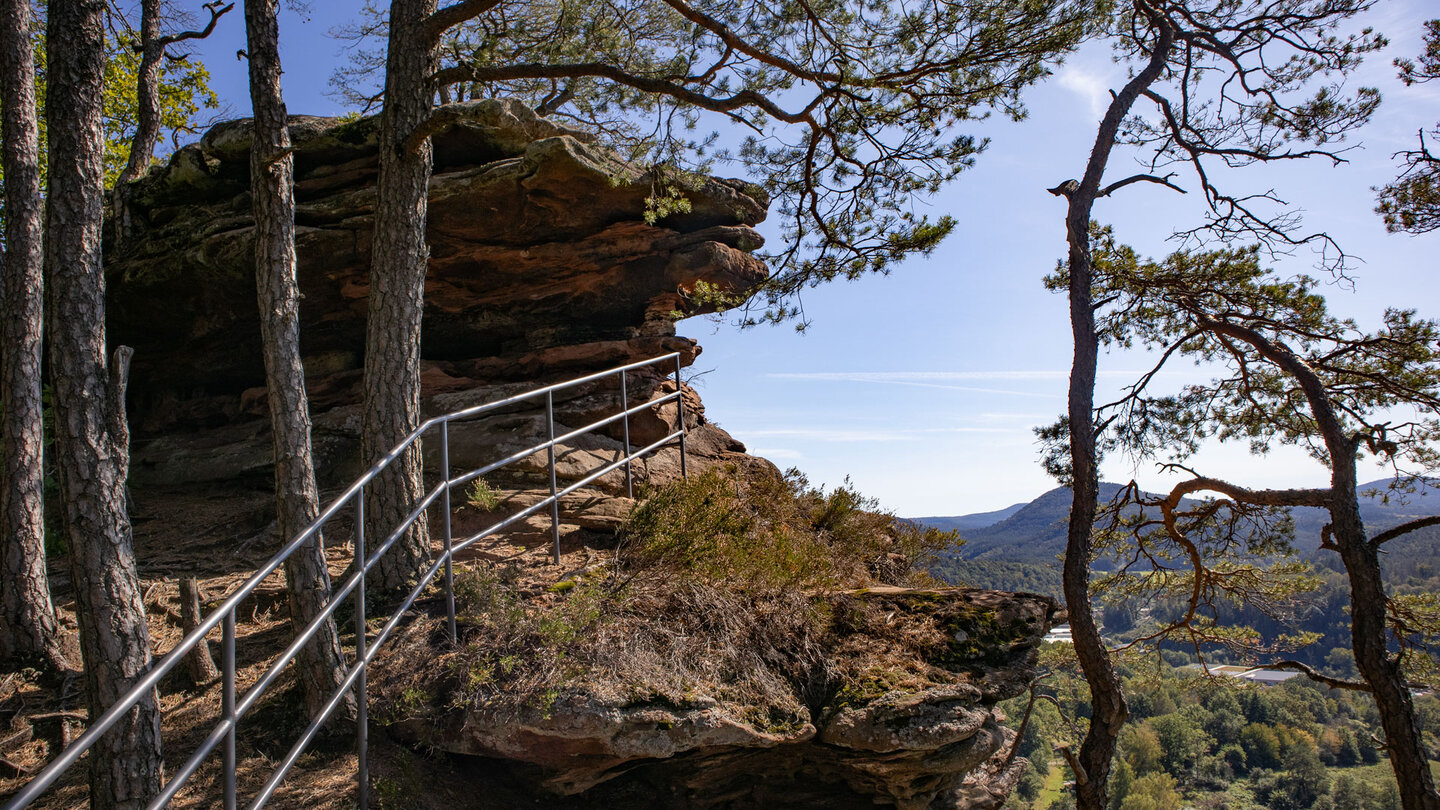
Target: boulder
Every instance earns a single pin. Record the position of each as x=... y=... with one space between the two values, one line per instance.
x=911 y=721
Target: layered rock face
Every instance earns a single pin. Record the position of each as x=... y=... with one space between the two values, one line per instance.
x=542 y=262
x=898 y=708
x=545 y=266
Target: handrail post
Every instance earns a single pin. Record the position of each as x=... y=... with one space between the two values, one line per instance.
x=362 y=708
x=449 y=552
x=680 y=414
x=227 y=704
x=625 y=408
x=554 y=499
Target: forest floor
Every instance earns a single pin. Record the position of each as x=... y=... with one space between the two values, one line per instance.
x=40 y=713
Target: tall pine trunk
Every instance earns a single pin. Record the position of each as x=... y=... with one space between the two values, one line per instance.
x=398 y=259
x=1369 y=636
x=147 y=117
x=1107 y=698
x=147 y=96
x=1369 y=630
x=272 y=168
x=91 y=439
x=27 y=617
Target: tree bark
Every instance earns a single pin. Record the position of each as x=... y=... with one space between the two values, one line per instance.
x=91 y=443
x=147 y=95
x=297 y=499
x=198 y=661
x=27 y=617
x=398 y=260
x=147 y=117
x=1369 y=635
x=1107 y=698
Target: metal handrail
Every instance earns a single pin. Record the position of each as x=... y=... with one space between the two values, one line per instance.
x=234 y=707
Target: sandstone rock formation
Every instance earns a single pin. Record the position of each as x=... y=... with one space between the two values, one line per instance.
x=544 y=266
x=542 y=260
x=909 y=719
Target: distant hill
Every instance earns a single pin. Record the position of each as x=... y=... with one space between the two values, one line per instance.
x=1035 y=531
x=978 y=520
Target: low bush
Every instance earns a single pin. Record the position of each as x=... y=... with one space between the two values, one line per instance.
x=711 y=591
x=767 y=532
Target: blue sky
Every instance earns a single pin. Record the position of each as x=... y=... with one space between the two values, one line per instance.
x=923 y=386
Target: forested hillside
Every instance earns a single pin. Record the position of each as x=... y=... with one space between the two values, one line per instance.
x=1217 y=743
x=1035 y=531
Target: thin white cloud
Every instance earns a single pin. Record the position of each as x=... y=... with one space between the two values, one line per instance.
x=942 y=379
x=926 y=379
x=852 y=435
x=773 y=453
x=1012 y=417
x=1090 y=87
x=887 y=376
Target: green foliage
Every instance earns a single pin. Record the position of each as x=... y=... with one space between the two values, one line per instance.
x=1002 y=575
x=1172 y=307
x=851 y=108
x=1224 y=743
x=1203 y=562
x=723 y=585
x=1142 y=749
x=184 y=94
x=1153 y=791
x=765 y=532
x=482 y=496
x=1122 y=780
x=1411 y=204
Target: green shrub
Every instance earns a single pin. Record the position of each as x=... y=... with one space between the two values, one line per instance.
x=482 y=496
x=765 y=532
x=712 y=588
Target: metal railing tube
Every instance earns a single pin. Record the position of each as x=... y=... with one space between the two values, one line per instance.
x=680 y=418
x=354 y=679
x=362 y=703
x=218 y=734
x=449 y=552
x=478 y=472
x=625 y=409
x=227 y=705
x=476 y=410
x=550 y=449
x=409 y=521
x=609 y=420
x=266 y=680
x=234 y=707
x=541 y=504
x=614 y=465
x=515 y=518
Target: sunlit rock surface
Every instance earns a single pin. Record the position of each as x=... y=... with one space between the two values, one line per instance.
x=543 y=267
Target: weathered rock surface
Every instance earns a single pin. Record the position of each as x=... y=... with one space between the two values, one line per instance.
x=544 y=267
x=915 y=726
x=542 y=261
